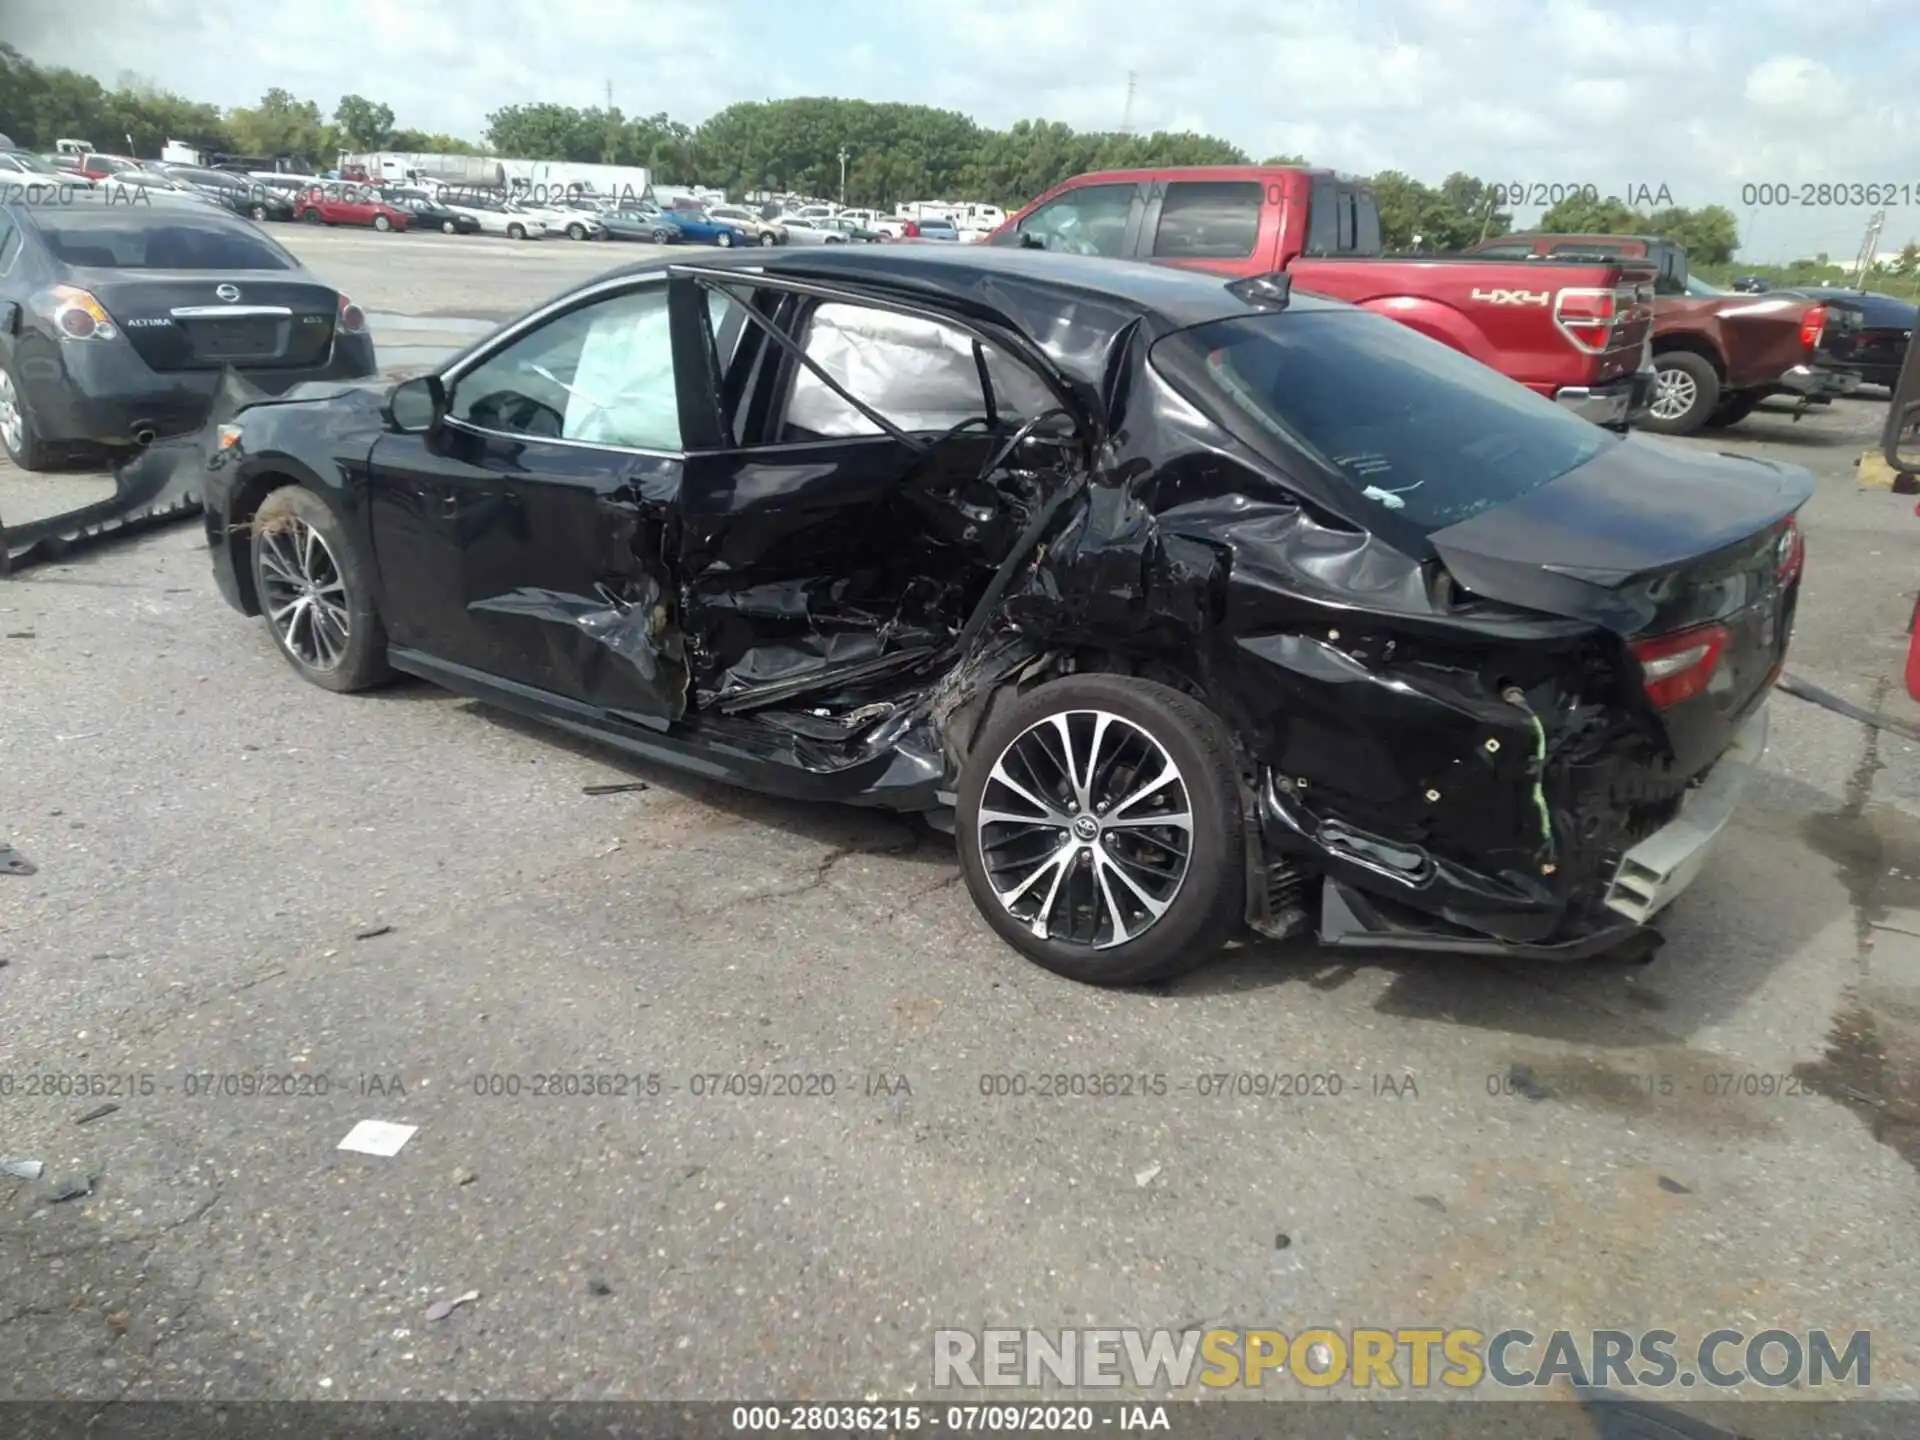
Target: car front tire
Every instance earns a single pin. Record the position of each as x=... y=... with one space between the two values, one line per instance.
x=316 y=593
x=312 y=217
x=576 y=232
x=258 y=212
x=380 y=222
x=1686 y=389
x=447 y=227
x=1101 y=831
x=767 y=237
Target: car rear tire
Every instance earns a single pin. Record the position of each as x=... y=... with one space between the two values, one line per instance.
x=317 y=593
x=312 y=217
x=258 y=212
x=380 y=222
x=516 y=232
x=24 y=448
x=767 y=237
x=447 y=227
x=723 y=240
x=1053 y=885
x=663 y=237
x=1686 y=390
x=576 y=232
x=1732 y=410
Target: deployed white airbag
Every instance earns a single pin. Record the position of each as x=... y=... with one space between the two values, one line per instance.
x=920 y=374
x=623 y=390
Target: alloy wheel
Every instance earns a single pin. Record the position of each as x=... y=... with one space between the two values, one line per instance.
x=1674 y=394
x=13 y=425
x=1086 y=829
x=306 y=595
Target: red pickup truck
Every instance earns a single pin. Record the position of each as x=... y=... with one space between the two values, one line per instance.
x=1574 y=331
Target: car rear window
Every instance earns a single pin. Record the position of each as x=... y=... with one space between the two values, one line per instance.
x=160 y=247
x=1422 y=432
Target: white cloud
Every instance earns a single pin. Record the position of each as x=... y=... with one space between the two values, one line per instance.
x=1633 y=93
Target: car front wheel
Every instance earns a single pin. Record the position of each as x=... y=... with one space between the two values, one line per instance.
x=576 y=232
x=380 y=222
x=258 y=212
x=312 y=217
x=723 y=239
x=516 y=232
x=447 y=227
x=1686 y=389
x=767 y=237
x=1101 y=830
x=316 y=593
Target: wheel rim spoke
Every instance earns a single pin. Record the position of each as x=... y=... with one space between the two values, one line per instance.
x=304 y=594
x=1084 y=829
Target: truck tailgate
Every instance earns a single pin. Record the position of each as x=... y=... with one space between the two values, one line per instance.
x=1550 y=324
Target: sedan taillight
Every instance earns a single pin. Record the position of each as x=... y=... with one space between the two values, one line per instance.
x=352 y=319
x=1793 y=552
x=1678 y=667
x=74 y=313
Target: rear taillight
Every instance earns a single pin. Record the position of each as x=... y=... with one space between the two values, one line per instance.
x=352 y=319
x=1793 y=552
x=1678 y=667
x=74 y=313
x=1812 y=326
x=1587 y=317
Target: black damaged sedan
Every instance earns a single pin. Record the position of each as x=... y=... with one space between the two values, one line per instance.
x=1187 y=606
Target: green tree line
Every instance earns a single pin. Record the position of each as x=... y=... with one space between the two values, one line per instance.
x=892 y=152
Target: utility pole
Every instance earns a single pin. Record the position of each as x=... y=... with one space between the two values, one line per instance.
x=1126 y=114
x=1868 y=247
x=843 y=176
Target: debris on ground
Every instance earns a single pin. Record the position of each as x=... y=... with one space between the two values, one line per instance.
x=74 y=1187
x=599 y=1287
x=375 y=933
x=1432 y=1202
x=1145 y=1177
x=1282 y=1241
x=21 y=1169
x=1673 y=1187
x=21 y=635
x=12 y=862
x=99 y=1112
x=624 y=788
x=378 y=1137
x=440 y=1309
x=464 y=1177
x=1521 y=1078
x=1839 y=705
x=608 y=851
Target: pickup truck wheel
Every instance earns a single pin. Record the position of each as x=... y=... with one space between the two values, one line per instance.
x=1732 y=410
x=1100 y=830
x=316 y=593
x=1685 y=392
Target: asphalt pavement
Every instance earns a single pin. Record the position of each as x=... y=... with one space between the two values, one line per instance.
x=263 y=913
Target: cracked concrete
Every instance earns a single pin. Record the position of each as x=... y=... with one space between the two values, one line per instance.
x=207 y=858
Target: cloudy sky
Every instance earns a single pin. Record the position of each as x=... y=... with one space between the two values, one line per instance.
x=1702 y=97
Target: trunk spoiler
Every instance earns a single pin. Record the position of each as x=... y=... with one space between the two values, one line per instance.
x=158 y=486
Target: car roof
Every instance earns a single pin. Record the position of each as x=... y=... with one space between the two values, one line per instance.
x=93 y=209
x=1071 y=306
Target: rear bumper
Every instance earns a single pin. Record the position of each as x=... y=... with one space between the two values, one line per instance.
x=1617 y=402
x=1818 y=381
x=1656 y=870
x=107 y=394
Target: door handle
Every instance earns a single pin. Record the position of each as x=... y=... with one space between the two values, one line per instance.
x=450 y=505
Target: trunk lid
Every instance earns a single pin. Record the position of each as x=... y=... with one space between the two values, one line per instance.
x=1669 y=550
x=181 y=320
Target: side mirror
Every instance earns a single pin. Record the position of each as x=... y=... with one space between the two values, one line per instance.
x=416 y=406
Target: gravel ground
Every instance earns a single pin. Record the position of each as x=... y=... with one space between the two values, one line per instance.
x=215 y=838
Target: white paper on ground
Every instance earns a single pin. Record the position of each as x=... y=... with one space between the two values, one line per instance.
x=378 y=1137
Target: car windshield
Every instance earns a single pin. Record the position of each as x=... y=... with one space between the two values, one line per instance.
x=1418 y=429
x=20 y=159
x=1701 y=289
x=129 y=245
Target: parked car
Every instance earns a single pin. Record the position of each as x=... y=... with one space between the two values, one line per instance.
x=494 y=218
x=929 y=227
x=815 y=230
x=1715 y=355
x=852 y=231
x=1748 y=285
x=575 y=224
x=647 y=226
x=887 y=227
x=1877 y=348
x=1574 y=331
x=96 y=166
x=430 y=214
x=702 y=228
x=344 y=203
x=764 y=232
x=20 y=168
x=121 y=319
x=237 y=193
x=1187 y=604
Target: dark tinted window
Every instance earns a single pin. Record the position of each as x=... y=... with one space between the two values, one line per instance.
x=159 y=246
x=1514 y=250
x=1342 y=219
x=1585 y=248
x=1089 y=220
x=1209 y=219
x=1427 y=435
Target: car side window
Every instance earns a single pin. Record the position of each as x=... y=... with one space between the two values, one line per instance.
x=599 y=375
x=923 y=376
x=1209 y=219
x=1089 y=220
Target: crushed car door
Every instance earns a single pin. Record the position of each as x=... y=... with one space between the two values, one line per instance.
x=521 y=537
x=859 y=501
